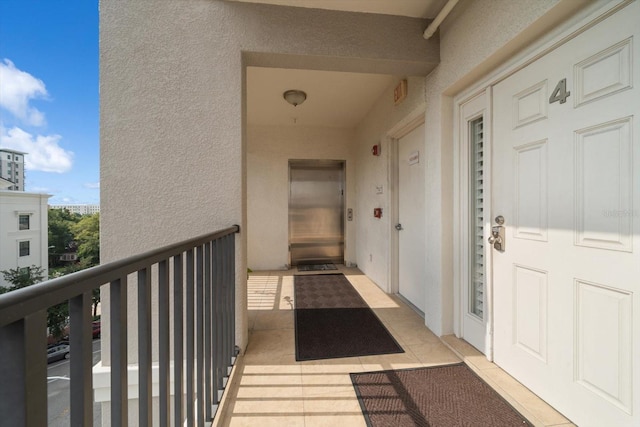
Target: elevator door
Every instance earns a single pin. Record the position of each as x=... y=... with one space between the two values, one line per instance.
x=316 y=211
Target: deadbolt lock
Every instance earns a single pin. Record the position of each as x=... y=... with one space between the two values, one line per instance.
x=497 y=238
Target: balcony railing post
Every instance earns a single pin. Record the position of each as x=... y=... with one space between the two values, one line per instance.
x=207 y=333
x=81 y=341
x=163 y=341
x=232 y=293
x=189 y=294
x=144 y=348
x=178 y=342
x=23 y=369
x=200 y=335
x=218 y=357
x=119 y=381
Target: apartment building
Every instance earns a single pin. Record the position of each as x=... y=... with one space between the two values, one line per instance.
x=82 y=209
x=12 y=168
x=23 y=230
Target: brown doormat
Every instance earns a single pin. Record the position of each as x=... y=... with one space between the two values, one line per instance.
x=332 y=320
x=441 y=396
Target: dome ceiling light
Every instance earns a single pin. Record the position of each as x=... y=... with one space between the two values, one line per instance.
x=294 y=97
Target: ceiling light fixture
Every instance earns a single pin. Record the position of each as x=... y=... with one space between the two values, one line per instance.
x=294 y=97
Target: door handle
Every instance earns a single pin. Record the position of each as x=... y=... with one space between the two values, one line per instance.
x=399 y=227
x=497 y=238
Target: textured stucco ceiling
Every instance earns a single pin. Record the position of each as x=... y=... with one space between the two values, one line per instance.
x=334 y=99
x=412 y=8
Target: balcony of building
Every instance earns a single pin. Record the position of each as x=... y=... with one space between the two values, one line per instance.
x=185 y=310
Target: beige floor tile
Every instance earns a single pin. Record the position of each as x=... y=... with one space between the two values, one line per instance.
x=412 y=333
x=527 y=400
x=331 y=366
x=324 y=378
x=271 y=342
x=273 y=389
x=247 y=420
x=265 y=320
x=433 y=354
x=328 y=391
x=333 y=420
x=390 y=361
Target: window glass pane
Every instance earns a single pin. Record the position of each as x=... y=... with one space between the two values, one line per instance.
x=476 y=294
x=24 y=222
x=24 y=248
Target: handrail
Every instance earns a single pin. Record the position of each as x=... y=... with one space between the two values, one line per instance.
x=201 y=335
x=14 y=304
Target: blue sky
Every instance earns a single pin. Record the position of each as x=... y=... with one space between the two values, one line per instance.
x=49 y=94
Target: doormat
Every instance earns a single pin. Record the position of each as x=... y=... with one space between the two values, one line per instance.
x=332 y=320
x=451 y=396
x=316 y=267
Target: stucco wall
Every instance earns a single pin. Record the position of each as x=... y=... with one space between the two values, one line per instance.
x=269 y=149
x=172 y=110
x=372 y=245
x=172 y=114
x=478 y=36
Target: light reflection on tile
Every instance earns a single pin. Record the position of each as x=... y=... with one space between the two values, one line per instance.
x=272 y=389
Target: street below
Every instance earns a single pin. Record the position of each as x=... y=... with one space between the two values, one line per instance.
x=58 y=379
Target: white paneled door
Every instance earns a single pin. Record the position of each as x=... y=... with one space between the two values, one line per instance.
x=566 y=179
x=411 y=215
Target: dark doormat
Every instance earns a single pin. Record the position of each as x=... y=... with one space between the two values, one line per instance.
x=441 y=396
x=316 y=267
x=332 y=320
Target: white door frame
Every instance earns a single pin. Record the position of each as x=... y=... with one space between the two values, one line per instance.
x=406 y=125
x=478 y=105
x=581 y=22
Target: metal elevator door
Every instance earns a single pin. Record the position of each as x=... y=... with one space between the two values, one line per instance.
x=316 y=211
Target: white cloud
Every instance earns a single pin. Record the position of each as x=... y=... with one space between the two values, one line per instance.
x=92 y=185
x=44 y=153
x=17 y=89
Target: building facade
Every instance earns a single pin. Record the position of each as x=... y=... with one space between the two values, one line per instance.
x=503 y=203
x=24 y=233
x=12 y=168
x=82 y=209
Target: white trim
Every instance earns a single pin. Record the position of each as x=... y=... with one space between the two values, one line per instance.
x=466 y=111
x=403 y=127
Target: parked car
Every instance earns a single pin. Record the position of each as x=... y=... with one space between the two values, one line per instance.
x=96 y=329
x=58 y=352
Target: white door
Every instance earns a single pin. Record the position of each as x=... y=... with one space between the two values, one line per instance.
x=411 y=216
x=566 y=179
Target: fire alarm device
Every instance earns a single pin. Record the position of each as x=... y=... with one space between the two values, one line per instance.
x=377 y=212
x=375 y=150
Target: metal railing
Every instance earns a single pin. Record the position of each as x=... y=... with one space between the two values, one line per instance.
x=199 y=327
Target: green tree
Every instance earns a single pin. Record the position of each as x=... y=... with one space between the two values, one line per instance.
x=21 y=277
x=86 y=233
x=26 y=276
x=61 y=238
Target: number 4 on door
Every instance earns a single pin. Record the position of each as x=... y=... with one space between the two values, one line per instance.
x=560 y=93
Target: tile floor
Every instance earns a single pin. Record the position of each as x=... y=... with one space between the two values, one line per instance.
x=269 y=388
